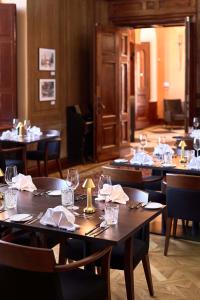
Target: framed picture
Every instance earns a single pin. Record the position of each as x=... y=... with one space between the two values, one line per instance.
x=47 y=89
x=47 y=59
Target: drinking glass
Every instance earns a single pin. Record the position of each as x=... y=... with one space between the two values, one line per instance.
x=10 y=172
x=72 y=179
x=161 y=143
x=196 y=122
x=15 y=123
x=196 y=145
x=27 y=124
x=105 y=187
x=143 y=141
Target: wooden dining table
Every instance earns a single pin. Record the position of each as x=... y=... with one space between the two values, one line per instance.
x=25 y=141
x=130 y=221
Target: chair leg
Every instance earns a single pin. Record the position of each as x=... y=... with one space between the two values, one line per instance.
x=147 y=272
x=38 y=166
x=167 y=237
x=174 y=227
x=59 y=167
x=46 y=167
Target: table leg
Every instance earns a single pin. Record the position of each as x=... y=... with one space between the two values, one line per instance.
x=128 y=270
x=25 y=160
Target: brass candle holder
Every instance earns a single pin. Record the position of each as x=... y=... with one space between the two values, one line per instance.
x=182 y=144
x=89 y=185
x=21 y=129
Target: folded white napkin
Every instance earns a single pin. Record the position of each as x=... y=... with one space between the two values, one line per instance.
x=195 y=133
x=141 y=158
x=116 y=194
x=35 y=130
x=160 y=149
x=194 y=163
x=59 y=216
x=23 y=183
x=7 y=135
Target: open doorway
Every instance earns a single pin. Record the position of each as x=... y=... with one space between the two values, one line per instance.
x=159 y=72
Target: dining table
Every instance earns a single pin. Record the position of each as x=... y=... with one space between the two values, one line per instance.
x=129 y=222
x=25 y=141
x=175 y=167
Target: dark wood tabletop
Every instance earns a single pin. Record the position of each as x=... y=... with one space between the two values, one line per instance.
x=130 y=220
x=176 y=167
x=26 y=140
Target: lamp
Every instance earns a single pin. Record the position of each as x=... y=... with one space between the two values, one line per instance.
x=182 y=144
x=89 y=185
x=21 y=129
x=1 y=173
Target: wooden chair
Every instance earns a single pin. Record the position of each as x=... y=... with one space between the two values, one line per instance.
x=133 y=178
x=182 y=198
x=75 y=248
x=47 y=150
x=173 y=112
x=32 y=273
x=13 y=156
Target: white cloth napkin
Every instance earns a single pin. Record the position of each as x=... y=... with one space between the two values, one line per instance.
x=194 y=163
x=35 y=130
x=23 y=183
x=141 y=158
x=7 y=135
x=195 y=133
x=116 y=194
x=160 y=149
x=59 y=216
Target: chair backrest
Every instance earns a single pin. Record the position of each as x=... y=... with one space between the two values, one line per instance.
x=173 y=105
x=49 y=183
x=53 y=145
x=183 y=196
x=125 y=177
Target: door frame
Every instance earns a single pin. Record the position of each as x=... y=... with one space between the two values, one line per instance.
x=171 y=21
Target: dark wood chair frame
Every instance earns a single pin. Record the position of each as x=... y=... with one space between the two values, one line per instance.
x=43 y=260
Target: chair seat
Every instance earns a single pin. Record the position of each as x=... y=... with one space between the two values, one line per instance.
x=76 y=284
x=40 y=155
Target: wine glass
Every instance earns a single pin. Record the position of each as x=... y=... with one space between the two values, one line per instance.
x=27 y=124
x=161 y=143
x=72 y=179
x=143 y=140
x=15 y=123
x=196 y=145
x=10 y=172
x=104 y=187
x=196 y=122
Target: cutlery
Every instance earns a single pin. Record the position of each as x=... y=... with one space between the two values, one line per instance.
x=102 y=230
x=93 y=229
x=34 y=219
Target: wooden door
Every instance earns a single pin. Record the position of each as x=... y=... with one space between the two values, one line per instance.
x=142 y=84
x=190 y=72
x=8 y=89
x=111 y=108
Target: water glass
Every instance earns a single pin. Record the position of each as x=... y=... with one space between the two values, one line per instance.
x=10 y=199
x=143 y=140
x=67 y=197
x=167 y=158
x=111 y=213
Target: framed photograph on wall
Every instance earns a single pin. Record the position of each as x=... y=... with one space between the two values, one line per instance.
x=47 y=89
x=47 y=59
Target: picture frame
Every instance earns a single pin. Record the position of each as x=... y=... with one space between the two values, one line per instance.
x=47 y=89
x=47 y=59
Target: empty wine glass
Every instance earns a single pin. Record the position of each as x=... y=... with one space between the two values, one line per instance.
x=15 y=123
x=10 y=172
x=196 y=145
x=104 y=187
x=196 y=122
x=72 y=179
x=143 y=140
x=27 y=124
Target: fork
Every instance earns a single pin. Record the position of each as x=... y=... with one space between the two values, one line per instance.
x=34 y=219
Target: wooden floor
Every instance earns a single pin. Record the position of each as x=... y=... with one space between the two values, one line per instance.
x=176 y=276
